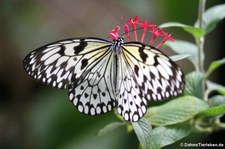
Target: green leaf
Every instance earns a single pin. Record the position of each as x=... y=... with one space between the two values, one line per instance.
x=175 y=111
x=184 y=47
x=218 y=110
x=211 y=17
x=194 y=84
x=214 y=65
x=212 y=86
x=109 y=128
x=179 y=57
x=143 y=130
x=196 y=32
x=216 y=101
x=162 y=136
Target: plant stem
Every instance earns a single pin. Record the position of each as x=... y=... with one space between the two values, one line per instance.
x=200 y=40
x=200 y=43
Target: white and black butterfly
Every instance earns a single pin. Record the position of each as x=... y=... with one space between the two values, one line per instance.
x=100 y=74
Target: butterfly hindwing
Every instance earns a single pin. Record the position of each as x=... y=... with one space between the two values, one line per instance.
x=93 y=92
x=131 y=103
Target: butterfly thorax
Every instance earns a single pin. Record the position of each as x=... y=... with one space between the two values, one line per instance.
x=116 y=45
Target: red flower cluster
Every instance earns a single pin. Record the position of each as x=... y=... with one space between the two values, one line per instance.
x=132 y=25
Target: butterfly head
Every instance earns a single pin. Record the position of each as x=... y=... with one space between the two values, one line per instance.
x=116 y=45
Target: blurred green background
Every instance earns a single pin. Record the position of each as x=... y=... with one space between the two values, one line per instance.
x=36 y=116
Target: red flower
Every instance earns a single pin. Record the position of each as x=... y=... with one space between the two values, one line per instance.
x=135 y=25
x=114 y=33
x=127 y=32
x=156 y=32
x=166 y=37
x=145 y=26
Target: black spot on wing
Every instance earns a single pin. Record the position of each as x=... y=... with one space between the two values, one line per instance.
x=136 y=69
x=95 y=96
x=80 y=47
x=84 y=63
x=62 y=51
x=142 y=54
x=86 y=95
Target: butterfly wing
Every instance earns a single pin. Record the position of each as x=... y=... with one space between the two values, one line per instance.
x=149 y=74
x=131 y=103
x=83 y=65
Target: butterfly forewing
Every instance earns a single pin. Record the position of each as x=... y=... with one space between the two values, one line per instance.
x=58 y=63
x=156 y=74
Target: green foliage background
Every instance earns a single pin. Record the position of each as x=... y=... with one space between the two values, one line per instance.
x=35 y=116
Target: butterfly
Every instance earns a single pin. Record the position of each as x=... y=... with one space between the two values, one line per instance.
x=101 y=74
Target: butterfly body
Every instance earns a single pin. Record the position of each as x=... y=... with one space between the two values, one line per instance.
x=101 y=74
